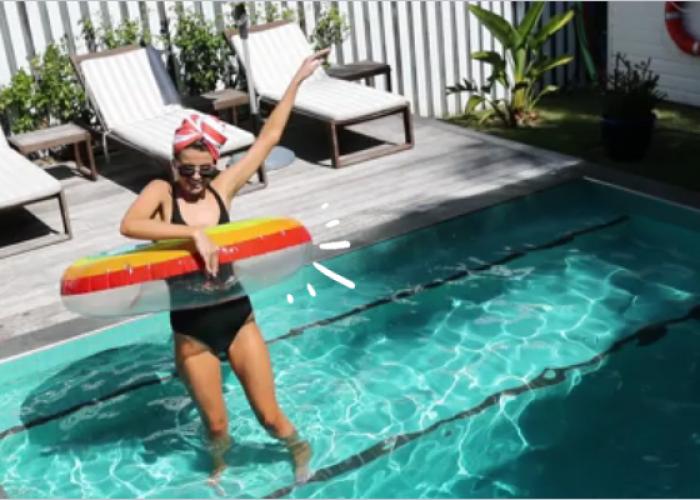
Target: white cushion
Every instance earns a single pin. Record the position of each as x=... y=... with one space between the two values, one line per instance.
x=341 y=100
x=3 y=141
x=123 y=87
x=155 y=135
x=21 y=181
x=275 y=56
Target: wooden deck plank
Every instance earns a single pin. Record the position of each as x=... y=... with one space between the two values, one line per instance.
x=448 y=167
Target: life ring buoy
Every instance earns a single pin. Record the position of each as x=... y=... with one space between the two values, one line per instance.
x=675 y=27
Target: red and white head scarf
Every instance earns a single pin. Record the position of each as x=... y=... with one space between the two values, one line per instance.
x=203 y=128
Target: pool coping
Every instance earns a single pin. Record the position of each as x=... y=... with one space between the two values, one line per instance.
x=564 y=168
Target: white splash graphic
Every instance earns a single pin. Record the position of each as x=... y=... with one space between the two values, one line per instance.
x=329 y=245
x=334 y=276
x=335 y=245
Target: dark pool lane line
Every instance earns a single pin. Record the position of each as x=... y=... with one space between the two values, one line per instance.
x=409 y=292
x=547 y=378
x=402 y=294
x=63 y=413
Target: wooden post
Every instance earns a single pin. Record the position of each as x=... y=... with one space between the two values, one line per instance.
x=64 y=215
x=335 y=149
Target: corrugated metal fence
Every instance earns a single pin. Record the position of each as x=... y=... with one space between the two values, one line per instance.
x=426 y=43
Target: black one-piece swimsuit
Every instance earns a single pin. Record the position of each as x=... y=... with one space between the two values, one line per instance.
x=216 y=325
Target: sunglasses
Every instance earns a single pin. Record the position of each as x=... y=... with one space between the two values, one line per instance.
x=204 y=170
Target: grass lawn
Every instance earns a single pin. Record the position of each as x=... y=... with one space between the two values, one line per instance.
x=570 y=124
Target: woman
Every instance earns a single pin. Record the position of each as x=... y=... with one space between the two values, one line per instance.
x=197 y=200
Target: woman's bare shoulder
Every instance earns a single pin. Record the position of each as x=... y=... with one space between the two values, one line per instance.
x=158 y=188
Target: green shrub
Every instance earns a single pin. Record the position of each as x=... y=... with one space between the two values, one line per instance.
x=89 y=33
x=202 y=54
x=127 y=32
x=332 y=28
x=60 y=97
x=271 y=13
x=518 y=70
x=18 y=103
x=49 y=95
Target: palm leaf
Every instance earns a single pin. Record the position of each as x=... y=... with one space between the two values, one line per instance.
x=548 y=89
x=499 y=27
x=548 y=64
x=531 y=17
x=490 y=57
x=485 y=115
x=474 y=101
x=555 y=24
x=496 y=106
x=465 y=86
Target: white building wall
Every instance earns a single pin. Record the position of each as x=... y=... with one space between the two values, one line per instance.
x=638 y=29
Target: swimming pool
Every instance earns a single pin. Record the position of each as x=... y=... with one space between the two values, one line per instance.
x=547 y=346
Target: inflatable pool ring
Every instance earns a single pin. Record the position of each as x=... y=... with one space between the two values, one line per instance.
x=169 y=274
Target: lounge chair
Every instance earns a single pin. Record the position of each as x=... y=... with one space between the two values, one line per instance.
x=137 y=104
x=22 y=183
x=276 y=51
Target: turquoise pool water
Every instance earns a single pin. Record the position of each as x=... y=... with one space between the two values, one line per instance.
x=545 y=347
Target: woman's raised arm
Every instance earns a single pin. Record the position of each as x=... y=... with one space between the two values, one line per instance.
x=234 y=178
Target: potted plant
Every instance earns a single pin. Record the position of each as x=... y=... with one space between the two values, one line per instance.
x=630 y=96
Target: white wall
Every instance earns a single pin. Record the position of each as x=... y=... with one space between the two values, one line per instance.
x=638 y=29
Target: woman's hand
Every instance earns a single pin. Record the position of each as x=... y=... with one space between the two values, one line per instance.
x=208 y=250
x=310 y=65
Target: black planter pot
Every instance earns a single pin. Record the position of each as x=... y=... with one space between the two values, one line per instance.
x=627 y=139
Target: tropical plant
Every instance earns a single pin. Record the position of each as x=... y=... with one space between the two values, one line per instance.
x=631 y=91
x=202 y=54
x=332 y=28
x=518 y=70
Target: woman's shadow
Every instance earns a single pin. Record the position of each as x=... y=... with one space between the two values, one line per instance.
x=129 y=396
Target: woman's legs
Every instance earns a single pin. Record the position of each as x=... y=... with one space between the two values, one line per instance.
x=250 y=361
x=200 y=370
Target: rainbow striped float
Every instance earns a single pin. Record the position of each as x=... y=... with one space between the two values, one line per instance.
x=169 y=274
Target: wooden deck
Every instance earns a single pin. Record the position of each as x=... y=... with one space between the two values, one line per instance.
x=450 y=171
